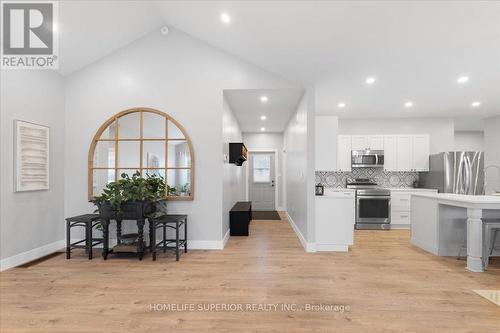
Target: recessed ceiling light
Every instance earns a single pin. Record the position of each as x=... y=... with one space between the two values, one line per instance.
x=370 y=80
x=264 y=99
x=263 y=117
x=476 y=104
x=463 y=79
x=262 y=129
x=408 y=104
x=225 y=18
x=341 y=105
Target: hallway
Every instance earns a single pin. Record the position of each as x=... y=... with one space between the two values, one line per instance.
x=386 y=284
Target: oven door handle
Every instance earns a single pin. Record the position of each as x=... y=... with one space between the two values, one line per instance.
x=382 y=197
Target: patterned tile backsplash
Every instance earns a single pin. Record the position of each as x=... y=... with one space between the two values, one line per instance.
x=383 y=178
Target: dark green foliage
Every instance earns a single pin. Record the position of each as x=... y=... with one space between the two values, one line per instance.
x=129 y=189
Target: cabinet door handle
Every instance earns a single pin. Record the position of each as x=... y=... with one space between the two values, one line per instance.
x=404 y=215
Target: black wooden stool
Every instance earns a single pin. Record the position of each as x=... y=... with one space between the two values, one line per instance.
x=168 y=221
x=89 y=222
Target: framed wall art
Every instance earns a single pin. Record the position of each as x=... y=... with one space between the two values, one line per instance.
x=31 y=150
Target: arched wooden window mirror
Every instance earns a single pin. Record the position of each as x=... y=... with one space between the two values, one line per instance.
x=144 y=140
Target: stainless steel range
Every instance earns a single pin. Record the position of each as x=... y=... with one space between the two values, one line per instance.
x=373 y=204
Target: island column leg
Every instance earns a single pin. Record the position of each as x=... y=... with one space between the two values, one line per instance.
x=475 y=240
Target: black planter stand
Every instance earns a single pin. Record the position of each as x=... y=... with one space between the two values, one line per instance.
x=135 y=210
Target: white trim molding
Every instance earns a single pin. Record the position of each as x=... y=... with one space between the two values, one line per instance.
x=332 y=247
x=225 y=239
x=31 y=255
x=205 y=244
x=308 y=246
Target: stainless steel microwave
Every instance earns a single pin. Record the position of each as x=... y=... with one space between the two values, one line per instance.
x=367 y=158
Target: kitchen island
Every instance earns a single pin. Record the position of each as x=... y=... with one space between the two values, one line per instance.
x=443 y=222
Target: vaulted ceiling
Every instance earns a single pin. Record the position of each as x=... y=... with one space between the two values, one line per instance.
x=415 y=50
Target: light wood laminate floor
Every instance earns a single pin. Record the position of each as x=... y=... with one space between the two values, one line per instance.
x=388 y=285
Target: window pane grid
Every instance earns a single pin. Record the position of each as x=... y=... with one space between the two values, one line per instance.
x=130 y=127
x=261 y=169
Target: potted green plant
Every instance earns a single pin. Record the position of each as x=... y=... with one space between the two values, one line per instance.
x=131 y=197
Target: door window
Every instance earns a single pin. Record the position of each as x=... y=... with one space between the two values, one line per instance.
x=262 y=168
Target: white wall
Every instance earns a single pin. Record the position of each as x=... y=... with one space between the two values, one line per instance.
x=272 y=141
x=469 y=141
x=32 y=223
x=441 y=130
x=492 y=153
x=176 y=74
x=299 y=168
x=233 y=180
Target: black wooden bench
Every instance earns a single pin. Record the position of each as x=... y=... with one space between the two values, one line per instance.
x=239 y=218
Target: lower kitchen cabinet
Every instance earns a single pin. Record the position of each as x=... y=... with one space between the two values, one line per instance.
x=335 y=216
x=401 y=207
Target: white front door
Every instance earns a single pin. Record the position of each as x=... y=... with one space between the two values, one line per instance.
x=261 y=181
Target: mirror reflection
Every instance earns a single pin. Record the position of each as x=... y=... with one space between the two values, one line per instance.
x=147 y=141
x=178 y=182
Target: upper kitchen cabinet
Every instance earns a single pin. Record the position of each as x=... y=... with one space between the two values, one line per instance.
x=359 y=142
x=390 y=153
x=404 y=153
x=344 y=153
x=401 y=152
x=412 y=152
x=326 y=143
x=420 y=153
x=376 y=142
x=372 y=142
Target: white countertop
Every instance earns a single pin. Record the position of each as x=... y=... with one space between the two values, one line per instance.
x=475 y=200
x=337 y=192
x=340 y=189
x=410 y=189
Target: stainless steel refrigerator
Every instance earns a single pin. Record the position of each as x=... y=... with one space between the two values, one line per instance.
x=460 y=172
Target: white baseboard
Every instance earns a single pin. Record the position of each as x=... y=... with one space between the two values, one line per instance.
x=308 y=247
x=424 y=246
x=31 y=255
x=332 y=247
x=225 y=239
x=42 y=251
x=206 y=244
x=192 y=244
x=400 y=226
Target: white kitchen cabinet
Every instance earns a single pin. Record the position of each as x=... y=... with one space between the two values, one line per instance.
x=361 y=142
x=401 y=207
x=376 y=142
x=390 y=153
x=335 y=217
x=404 y=153
x=420 y=153
x=344 y=153
x=326 y=128
x=413 y=152
x=401 y=152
